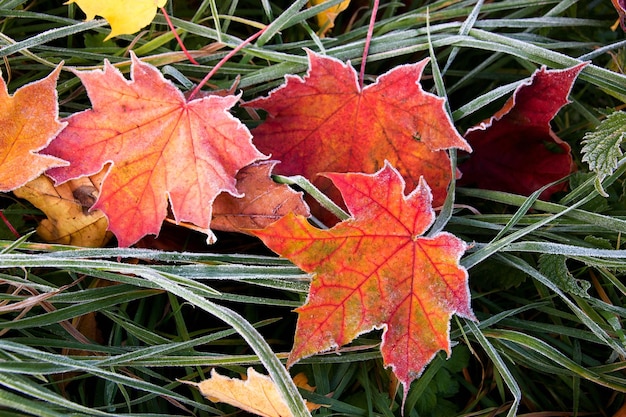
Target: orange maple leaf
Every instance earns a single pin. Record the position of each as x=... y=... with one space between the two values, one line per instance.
x=29 y=121
x=158 y=145
x=325 y=122
x=376 y=270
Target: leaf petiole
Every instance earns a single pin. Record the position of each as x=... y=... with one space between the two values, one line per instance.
x=368 y=39
x=178 y=39
x=223 y=61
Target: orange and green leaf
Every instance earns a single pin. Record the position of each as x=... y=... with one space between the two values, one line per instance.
x=377 y=270
x=325 y=122
x=29 y=120
x=158 y=147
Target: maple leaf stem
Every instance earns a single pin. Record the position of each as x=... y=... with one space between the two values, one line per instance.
x=223 y=61
x=368 y=39
x=9 y=225
x=178 y=39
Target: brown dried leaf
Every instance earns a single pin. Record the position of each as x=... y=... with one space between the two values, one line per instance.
x=264 y=201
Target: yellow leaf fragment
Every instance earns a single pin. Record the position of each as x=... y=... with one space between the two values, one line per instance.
x=326 y=19
x=66 y=206
x=257 y=394
x=125 y=17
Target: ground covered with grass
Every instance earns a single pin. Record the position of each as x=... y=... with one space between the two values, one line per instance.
x=115 y=331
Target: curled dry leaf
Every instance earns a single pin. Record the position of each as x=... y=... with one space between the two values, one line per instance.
x=67 y=208
x=257 y=394
x=125 y=17
x=516 y=150
x=29 y=121
x=263 y=201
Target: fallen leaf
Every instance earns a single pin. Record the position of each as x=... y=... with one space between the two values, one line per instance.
x=125 y=17
x=376 y=270
x=263 y=201
x=156 y=146
x=516 y=150
x=325 y=122
x=326 y=19
x=257 y=394
x=69 y=221
x=29 y=121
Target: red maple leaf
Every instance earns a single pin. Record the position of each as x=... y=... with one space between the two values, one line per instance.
x=158 y=145
x=516 y=150
x=29 y=121
x=325 y=122
x=376 y=270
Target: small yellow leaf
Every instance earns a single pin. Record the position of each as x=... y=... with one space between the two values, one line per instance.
x=125 y=17
x=67 y=206
x=257 y=394
x=326 y=19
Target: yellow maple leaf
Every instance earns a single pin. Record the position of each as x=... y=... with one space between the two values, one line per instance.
x=66 y=207
x=326 y=19
x=257 y=394
x=124 y=16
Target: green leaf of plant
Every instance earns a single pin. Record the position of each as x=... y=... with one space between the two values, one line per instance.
x=599 y=242
x=602 y=147
x=555 y=268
